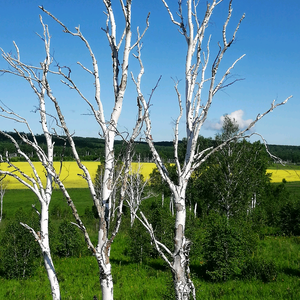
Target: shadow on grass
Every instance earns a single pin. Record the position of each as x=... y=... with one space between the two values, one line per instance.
x=157 y=266
x=122 y=262
x=200 y=272
x=291 y=272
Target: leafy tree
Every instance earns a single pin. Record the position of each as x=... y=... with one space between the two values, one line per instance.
x=230 y=187
x=232 y=180
x=226 y=246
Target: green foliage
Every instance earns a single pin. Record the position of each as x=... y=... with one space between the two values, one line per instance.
x=19 y=249
x=91 y=213
x=150 y=280
x=226 y=245
x=194 y=231
x=232 y=179
x=58 y=212
x=290 y=218
x=68 y=241
x=140 y=247
x=160 y=186
x=274 y=198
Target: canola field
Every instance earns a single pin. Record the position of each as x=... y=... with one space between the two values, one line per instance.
x=70 y=173
x=287 y=174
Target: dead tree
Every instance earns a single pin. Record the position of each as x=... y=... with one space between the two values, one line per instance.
x=136 y=191
x=109 y=131
x=33 y=181
x=196 y=82
x=42 y=88
x=2 y=193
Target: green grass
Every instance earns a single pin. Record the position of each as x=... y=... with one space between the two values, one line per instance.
x=284 y=167
x=79 y=277
x=294 y=189
x=14 y=199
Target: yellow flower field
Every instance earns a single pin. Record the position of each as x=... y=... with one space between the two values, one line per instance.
x=69 y=173
x=71 y=179
x=288 y=175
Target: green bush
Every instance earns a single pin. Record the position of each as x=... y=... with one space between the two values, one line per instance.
x=290 y=218
x=19 y=249
x=195 y=233
x=275 y=198
x=226 y=246
x=57 y=212
x=68 y=242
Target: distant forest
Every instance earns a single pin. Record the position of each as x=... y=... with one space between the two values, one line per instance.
x=92 y=149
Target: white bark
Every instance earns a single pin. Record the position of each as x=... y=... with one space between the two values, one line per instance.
x=196 y=65
x=2 y=193
x=135 y=190
x=44 y=194
x=109 y=130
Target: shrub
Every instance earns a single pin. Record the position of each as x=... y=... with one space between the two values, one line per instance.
x=226 y=246
x=18 y=247
x=68 y=241
x=290 y=218
x=58 y=212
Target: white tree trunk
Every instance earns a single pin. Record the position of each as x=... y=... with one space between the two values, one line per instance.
x=45 y=246
x=2 y=192
x=39 y=85
x=106 y=281
x=181 y=272
x=109 y=131
x=55 y=290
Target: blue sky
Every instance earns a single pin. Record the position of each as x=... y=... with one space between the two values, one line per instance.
x=269 y=36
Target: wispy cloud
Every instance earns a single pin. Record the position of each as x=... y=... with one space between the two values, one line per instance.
x=236 y=115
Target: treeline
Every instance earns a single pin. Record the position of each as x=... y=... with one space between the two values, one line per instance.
x=92 y=149
x=286 y=153
x=88 y=148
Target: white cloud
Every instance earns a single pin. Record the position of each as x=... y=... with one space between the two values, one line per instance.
x=236 y=115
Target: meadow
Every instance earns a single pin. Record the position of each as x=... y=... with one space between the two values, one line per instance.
x=70 y=173
x=151 y=279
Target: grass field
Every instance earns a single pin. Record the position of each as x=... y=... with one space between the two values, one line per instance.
x=151 y=280
x=70 y=171
x=79 y=278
